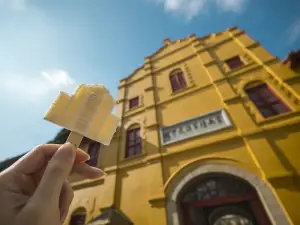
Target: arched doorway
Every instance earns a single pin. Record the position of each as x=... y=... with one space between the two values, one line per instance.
x=78 y=217
x=220 y=199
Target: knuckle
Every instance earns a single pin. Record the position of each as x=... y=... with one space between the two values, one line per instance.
x=40 y=147
x=56 y=169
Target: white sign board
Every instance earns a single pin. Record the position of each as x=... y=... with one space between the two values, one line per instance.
x=203 y=124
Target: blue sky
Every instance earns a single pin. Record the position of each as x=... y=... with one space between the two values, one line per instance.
x=51 y=45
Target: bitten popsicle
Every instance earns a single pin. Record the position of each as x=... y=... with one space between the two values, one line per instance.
x=86 y=113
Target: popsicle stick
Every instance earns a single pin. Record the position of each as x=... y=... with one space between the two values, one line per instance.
x=75 y=139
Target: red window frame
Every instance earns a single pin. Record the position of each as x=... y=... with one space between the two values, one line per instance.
x=134 y=102
x=93 y=151
x=177 y=80
x=266 y=101
x=234 y=62
x=133 y=143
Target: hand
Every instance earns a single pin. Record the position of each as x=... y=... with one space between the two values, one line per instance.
x=35 y=190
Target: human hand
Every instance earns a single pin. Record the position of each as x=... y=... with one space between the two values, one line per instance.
x=35 y=190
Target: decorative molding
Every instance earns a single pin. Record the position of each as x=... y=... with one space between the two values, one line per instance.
x=110 y=169
x=133 y=161
x=211 y=63
x=147 y=67
x=157 y=200
x=152 y=126
x=189 y=75
x=246 y=58
x=265 y=193
x=293 y=115
x=253 y=45
x=233 y=100
x=152 y=88
x=196 y=46
x=87 y=183
x=265 y=127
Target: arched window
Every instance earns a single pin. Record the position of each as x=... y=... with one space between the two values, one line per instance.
x=133 y=142
x=221 y=199
x=93 y=151
x=215 y=187
x=266 y=101
x=78 y=217
x=177 y=80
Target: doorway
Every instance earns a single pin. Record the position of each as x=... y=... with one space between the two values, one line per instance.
x=78 y=217
x=221 y=200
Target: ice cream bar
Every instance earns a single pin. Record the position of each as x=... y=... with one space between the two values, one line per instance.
x=88 y=112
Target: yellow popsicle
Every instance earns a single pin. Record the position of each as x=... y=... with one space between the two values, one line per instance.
x=87 y=113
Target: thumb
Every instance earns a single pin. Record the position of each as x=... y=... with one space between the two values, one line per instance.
x=56 y=172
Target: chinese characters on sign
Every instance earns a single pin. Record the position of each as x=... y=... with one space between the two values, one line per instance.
x=194 y=127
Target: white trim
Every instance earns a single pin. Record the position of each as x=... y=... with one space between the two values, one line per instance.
x=222 y=112
x=266 y=195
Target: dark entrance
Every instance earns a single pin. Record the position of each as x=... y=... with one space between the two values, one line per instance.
x=221 y=200
x=78 y=217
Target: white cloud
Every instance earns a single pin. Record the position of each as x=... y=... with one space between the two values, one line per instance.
x=293 y=32
x=36 y=88
x=191 y=8
x=232 y=5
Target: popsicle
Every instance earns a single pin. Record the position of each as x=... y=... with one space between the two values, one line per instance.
x=86 y=113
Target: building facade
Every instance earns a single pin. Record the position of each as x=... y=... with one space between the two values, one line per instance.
x=209 y=135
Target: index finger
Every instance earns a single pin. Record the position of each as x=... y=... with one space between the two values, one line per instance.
x=39 y=157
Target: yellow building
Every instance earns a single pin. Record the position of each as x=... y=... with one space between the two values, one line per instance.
x=209 y=134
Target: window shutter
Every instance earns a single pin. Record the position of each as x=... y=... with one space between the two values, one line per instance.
x=181 y=79
x=174 y=83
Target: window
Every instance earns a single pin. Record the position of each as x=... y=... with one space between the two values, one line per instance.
x=93 y=151
x=266 y=101
x=177 y=80
x=133 y=143
x=134 y=102
x=234 y=62
x=215 y=187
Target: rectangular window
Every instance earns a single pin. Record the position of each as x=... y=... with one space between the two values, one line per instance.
x=266 y=101
x=134 y=102
x=234 y=62
x=133 y=143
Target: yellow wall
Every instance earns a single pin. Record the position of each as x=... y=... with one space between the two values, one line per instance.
x=265 y=147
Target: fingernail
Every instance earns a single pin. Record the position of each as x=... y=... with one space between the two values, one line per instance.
x=63 y=216
x=83 y=152
x=98 y=172
x=69 y=144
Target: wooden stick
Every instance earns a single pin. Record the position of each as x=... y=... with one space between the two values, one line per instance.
x=75 y=139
